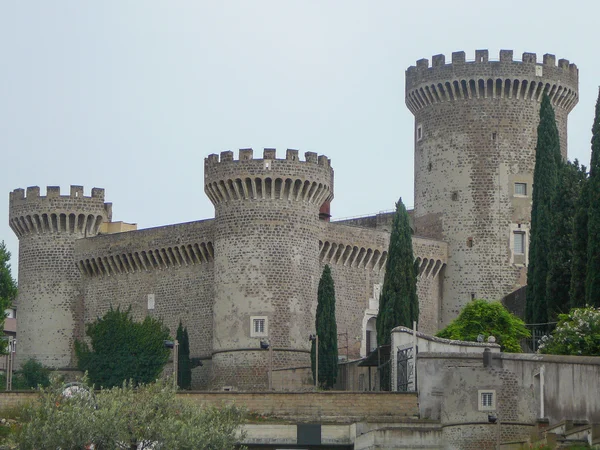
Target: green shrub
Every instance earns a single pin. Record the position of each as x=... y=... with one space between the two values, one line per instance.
x=481 y=317
x=146 y=416
x=122 y=349
x=577 y=333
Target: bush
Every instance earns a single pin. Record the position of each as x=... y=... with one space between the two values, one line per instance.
x=488 y=319
x=31 y=376
x=149 y=416
x=122 y=349
x=577 y=333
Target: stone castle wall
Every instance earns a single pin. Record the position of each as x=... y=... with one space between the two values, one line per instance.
x=475 y=136
x=171 y=267
x=50 y=301
x=266 y=267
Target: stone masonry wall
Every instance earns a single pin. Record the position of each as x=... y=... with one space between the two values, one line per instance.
x=174 y=264
x=266 y=266
x=49 y=298
x=475 y=136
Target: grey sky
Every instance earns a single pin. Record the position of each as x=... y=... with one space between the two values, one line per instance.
x=131 y=96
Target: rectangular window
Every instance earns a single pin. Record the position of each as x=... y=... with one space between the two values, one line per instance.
x=521 y=189
x=259 y=326
x=419 y=132
x=487 y=400
x=519 y=245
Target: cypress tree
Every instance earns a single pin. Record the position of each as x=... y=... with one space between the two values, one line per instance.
x=564 y=207
x=398 y=302
x=326 y=327
x=580 y=237
x=184 y=372
x=592 y=280
x=545 y=179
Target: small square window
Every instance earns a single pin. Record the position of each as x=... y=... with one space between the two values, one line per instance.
x=521 y=189
x=519 y=242
x=487 y=400
x=259 y=326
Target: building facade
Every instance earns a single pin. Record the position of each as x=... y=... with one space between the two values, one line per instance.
x=250 y=274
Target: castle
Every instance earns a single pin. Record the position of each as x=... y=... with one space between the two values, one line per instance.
x=251 y=273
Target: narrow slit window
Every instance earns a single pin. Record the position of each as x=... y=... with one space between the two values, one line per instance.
x=519 y=246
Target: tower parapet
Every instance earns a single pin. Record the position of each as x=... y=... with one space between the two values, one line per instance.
x=49 y=298
x=268 y=178
x=483 y=78
x=266 y=260
x=475 y=137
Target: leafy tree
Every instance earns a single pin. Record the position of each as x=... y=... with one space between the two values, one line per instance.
x=184 y=373
x=592 y=281
x=33 y=375
x=579 y=243
x=545 y=179
x=326 y=327
x=488 y=319
x=122 y=349
x=577 y=333
x=571 y=176
x=126 y=417
x=398 y=302
x=8 y=286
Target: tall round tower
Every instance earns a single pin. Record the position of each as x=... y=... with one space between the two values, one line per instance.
x=266 y=260
x=475 y=137
x=50 y=304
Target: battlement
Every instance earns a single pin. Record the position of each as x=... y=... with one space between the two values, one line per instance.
x=227 y=179
x=32 y=213
x=482 y=78
x=505 y=56
x=247 y=154
x=33 y=193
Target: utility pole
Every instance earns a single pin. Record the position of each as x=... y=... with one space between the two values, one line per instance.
x=315 y=338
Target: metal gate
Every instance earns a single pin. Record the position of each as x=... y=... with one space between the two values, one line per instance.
x=406 y=369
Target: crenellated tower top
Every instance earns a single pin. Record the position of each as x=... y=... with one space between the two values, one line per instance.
x=227 y=179
x=30 y=212
x=505 y=78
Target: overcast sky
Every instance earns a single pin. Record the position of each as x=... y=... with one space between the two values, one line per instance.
x=132 y=96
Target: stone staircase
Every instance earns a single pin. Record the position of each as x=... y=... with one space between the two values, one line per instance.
x=567 y=434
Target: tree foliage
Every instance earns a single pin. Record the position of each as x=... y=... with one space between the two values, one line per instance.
x=8 y=286
x=571 y=177
x=184 y=373
x=326 y=328
x=122 y=349
x=398 y=302
x=545 y=179
x=579 y=247
x=577 y=333
x=125 y=417
x=592 y=282
x=488 y=319
x=31 y=375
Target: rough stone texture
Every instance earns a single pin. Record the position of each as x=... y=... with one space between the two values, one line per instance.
x=173 y=263
x=50 y=302
x=266 y=246
x=475 y=136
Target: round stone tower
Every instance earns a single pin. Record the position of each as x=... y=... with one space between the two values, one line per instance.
x=475 y=137
x=50 y=304
x=266 y=260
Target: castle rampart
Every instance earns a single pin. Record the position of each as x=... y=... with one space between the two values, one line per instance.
x=49 y=299
x=165 y=272
x=266 y=259
x=475 y=137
